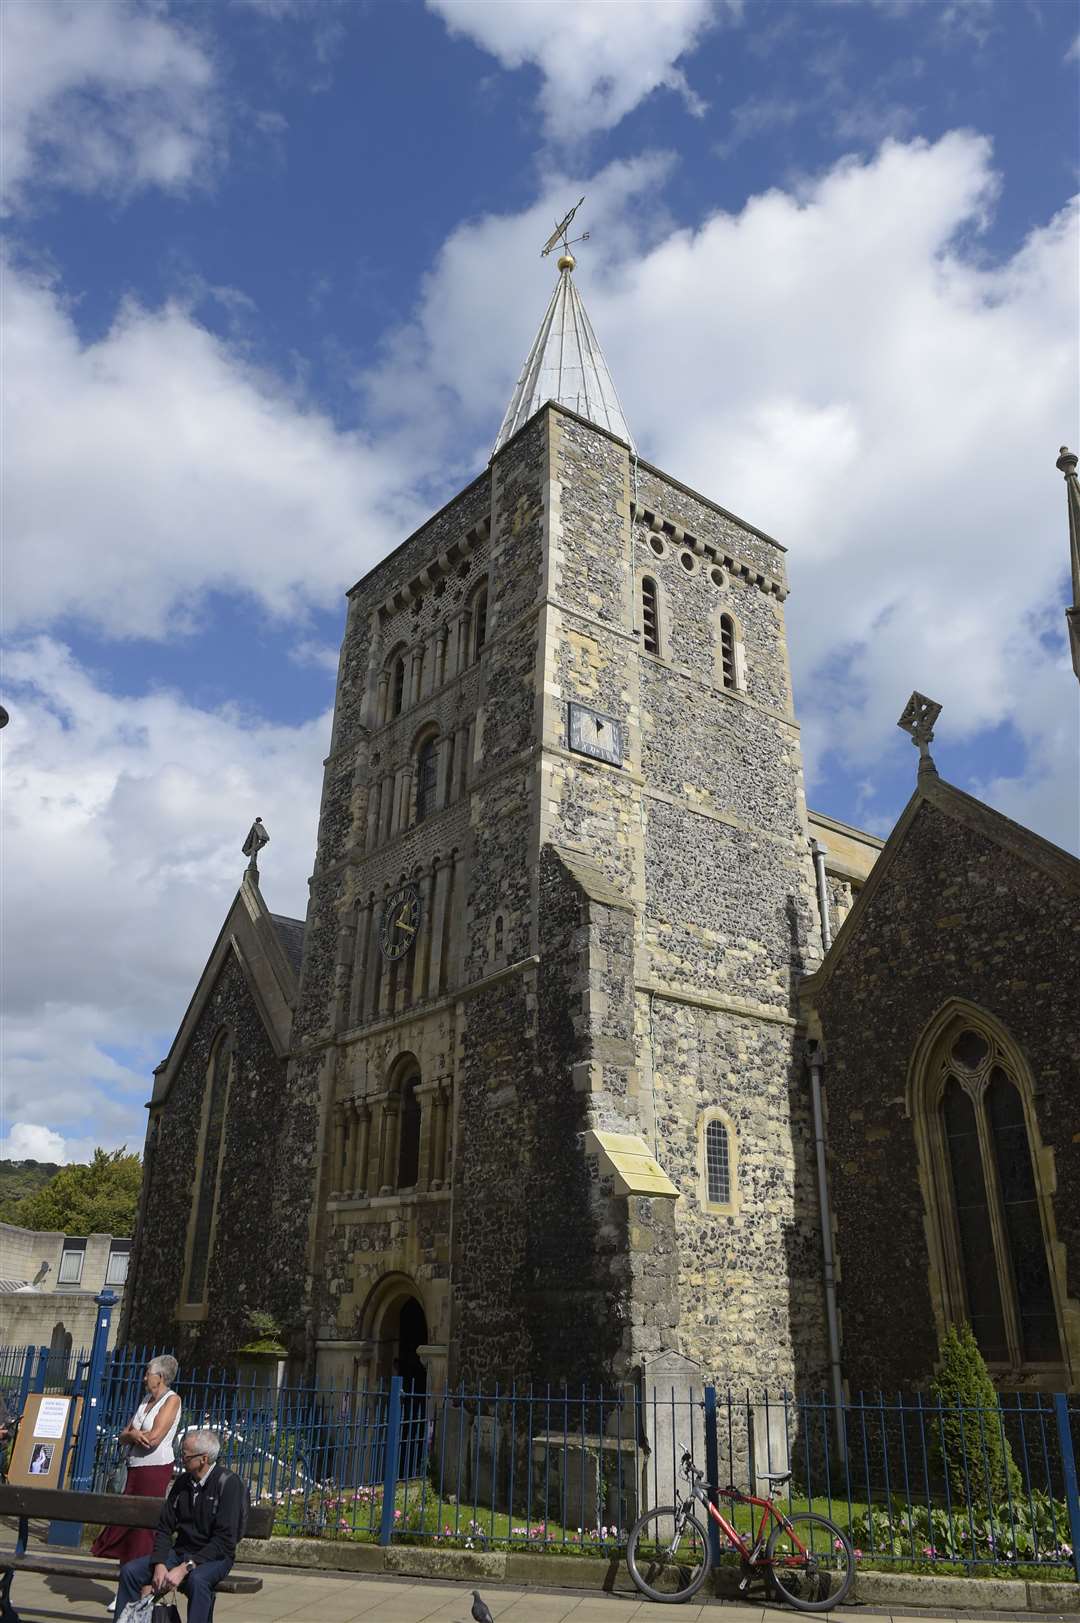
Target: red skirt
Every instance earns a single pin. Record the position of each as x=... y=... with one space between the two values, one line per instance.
x=129 y=1543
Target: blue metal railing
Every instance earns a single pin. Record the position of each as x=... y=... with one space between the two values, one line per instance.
x=914 y=1482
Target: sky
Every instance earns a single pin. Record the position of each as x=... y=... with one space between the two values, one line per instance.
x=270 y=270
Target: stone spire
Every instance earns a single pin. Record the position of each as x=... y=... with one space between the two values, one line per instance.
x=565 y=364
x=1067 y=464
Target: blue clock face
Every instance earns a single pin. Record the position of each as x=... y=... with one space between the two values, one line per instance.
x=400 y=921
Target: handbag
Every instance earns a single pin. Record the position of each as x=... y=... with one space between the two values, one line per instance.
x=116 y=1481
x=150 y=1609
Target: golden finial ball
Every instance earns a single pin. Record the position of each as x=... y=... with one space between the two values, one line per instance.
x=567 y=261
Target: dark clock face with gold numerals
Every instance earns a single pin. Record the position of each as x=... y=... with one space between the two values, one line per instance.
x=400 y=921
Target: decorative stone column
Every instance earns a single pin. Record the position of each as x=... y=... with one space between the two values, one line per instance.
x=440 y=656
x=427 y=1096
x=371 y=967
x=391 y=1128
x=443 y=782
x=337 y=1146
x=422 y=949
x=465 y=766
x=443 y=876
x=385 y=981
x=343 y=968
x=363 y=1126
x=382 y=692
x=362 y=946
x=439 y=1178
x=416 y=674
x=371 y=833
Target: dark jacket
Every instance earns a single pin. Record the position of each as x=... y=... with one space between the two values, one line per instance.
x=209 y=1529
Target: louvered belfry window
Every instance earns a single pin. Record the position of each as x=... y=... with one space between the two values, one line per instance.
x=998 y=1223
x=727 y=649
x=650 y=616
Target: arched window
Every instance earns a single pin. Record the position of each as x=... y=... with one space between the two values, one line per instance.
x=717 y=1182
x=650 y=616
x=408 y=1167
x=208 y=1169
x=397 y=686
x=427 y=775
x=480 y=622
x=986 y=1203
x=727 y=651
x=717 y=1164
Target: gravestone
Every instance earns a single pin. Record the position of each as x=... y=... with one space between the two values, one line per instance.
x=673 y=1421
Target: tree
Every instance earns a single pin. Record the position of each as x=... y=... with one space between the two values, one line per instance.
x=972 y=1443
x=101 y=1198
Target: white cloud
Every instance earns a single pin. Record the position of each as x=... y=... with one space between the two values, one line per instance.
x=123 y=824
x=184 y=468
x=29 y=1142
x=112 y=96
x=598 y=58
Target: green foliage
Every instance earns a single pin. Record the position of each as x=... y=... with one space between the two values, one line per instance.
x=267 y=1333
x=1034 y=1528
x=101 y=1198
x=19 y=1179
x=970 y=1440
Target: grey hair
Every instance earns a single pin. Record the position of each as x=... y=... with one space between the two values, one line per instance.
x=165 y=1366
x=206 y=1442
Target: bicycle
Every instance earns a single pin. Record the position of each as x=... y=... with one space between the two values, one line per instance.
x=806 y=1557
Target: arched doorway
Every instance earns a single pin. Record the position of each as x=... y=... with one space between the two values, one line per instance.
x=403 y=1331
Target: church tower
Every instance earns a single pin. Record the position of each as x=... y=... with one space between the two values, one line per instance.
x=562 y=898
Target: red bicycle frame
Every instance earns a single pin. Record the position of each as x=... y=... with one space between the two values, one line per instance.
x=751 y=1553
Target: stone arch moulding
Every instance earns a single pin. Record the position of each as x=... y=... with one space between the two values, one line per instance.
x=923 y=1091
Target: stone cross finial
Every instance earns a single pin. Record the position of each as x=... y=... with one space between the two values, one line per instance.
x=257 y=838
x=920 y=714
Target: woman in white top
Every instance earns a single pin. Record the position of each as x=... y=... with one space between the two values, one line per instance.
x=148 y=1440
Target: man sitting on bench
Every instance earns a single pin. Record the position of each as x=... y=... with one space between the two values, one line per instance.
x=202 y=1521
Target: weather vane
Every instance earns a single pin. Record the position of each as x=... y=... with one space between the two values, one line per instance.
x=559 y=235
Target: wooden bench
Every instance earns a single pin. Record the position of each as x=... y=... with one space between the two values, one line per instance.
x=115 y=1509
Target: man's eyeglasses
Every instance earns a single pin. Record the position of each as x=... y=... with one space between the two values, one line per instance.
x=189 y=1459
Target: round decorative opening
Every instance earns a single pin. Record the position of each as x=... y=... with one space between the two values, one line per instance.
x=717 y=577
x=687 y=561
x=657 y=545
x=970 y=1049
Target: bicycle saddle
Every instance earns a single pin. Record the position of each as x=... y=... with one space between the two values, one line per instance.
x=777 y=1478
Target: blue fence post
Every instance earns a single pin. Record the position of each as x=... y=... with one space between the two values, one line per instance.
x=1068 y=1471
x=390 y=1463
x=41 y=1370
x=712 y=1467
x=27 y=1376
x=82 y=1471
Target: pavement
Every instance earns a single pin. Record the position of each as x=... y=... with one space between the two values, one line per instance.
x=336 y=1597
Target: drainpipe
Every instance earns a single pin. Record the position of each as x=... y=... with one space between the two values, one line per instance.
x=815 y=1059
x=819 y=851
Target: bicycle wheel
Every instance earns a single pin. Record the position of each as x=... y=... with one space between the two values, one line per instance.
x=818 y=1580
x=668 y=1554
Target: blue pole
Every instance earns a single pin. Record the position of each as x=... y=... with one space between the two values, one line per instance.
x=27 y=1375
x=82 y=1471
x=390 y=1463
x=1068 y=1471
x=712 y=1467
x=41 y=1371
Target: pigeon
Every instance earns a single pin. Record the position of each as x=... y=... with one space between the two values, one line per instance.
x=480 y=1610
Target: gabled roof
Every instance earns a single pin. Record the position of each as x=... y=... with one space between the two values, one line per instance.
x=566 y=365
x=268 y=948
x=994 y=826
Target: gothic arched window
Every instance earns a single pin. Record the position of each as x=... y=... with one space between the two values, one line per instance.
x=990 y=1214
x=650 y=616
x=208 y=1169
